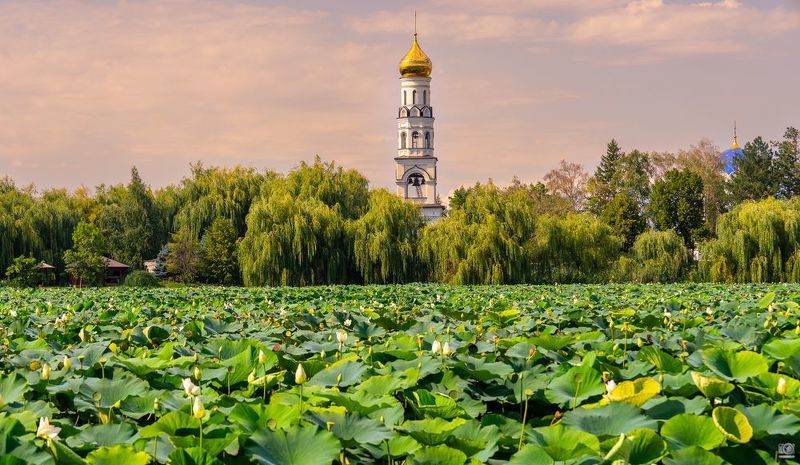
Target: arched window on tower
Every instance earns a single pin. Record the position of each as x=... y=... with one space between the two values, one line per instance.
x=414 y=187
x=405 y=100
x=424 y=97
x=427 y=140
x=402 y=140
x=414 y=140
x=413 y=97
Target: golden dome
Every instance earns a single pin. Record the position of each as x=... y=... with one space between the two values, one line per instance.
x=416 y=62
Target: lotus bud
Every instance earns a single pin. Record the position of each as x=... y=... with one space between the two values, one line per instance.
x=338 y=379
x=251 y=378
x=322 y=354
x=197 y=373
x=436 y=347
x=300 y=375
x=341 y=336
x=156 y=405
x=610 y=386
x=67 y=363
x=45 y=372
x=117 y=404
x=329 y=425
x=198 y=411
x=781 y=388
x=262 y=357
x=639 y=342
x=348 y=322
x=82 y=335
x=446 y=350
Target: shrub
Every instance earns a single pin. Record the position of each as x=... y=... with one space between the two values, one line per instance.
x=24 y=272
x=141 y=278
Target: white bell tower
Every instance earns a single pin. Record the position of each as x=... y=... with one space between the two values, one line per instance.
x=415 y=171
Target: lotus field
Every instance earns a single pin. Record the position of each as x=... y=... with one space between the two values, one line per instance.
x=428 y=374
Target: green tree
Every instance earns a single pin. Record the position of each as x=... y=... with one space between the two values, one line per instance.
x=705 y=159
x=346 y=191
x=487 y=241
x=786 y=164
x=385 y=240
x=757 y=241
x=183 y=261
x=677 y=203
x=620 y=172
x=218 y=257
x=656 y=257
x=211 y=193
x=294 y=241
x=601 y=186
x=24 y=272
x=624 y=216
x=85 y=261
x=755 y=173
x=130 y=221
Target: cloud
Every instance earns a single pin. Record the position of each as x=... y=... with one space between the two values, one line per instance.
x=654 y=30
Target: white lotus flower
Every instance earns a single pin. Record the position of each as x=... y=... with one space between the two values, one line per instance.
x=46 y=430
x=348 y=322
x=436 y=347
x=341 y=336
x=610 y=386
x=262 y=357
x=45 y=372
x=189 y=388
x=67 y=363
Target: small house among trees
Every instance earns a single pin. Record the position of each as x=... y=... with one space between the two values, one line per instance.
x=113 y=274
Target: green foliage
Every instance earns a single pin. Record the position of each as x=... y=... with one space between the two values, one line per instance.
x=756 y=175
x=84 y=261
x=140 y=278
x=619 y=172
x=345 y=191
x=130 y=222
x=624 y=216
x=656 y=257
x=212 y=193
x=385 y=240
x=24 y=272
x=496 y=237
x=183 y=261
x=123 y=363
x=293 y=241
x=677 y=203
x=487 y=241
x=218 y=259
x=756 y=242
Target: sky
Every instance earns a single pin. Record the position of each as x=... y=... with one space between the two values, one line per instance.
x=90 y=88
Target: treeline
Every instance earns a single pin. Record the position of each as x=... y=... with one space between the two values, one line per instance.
x=645 y=217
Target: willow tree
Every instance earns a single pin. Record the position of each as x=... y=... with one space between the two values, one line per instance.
x=212 y=193
x=294 y=241
x=345 y=190
x=656 y=257
x=756 y=242
x=385 y=240
x=486 y=240
x=575 y=248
